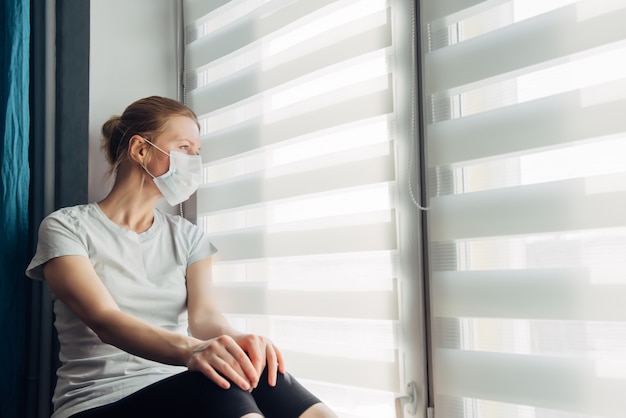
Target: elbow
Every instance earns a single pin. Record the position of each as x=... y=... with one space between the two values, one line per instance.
x=105 y=336
x=194 y=328
x=105 y=327
x=204 y=329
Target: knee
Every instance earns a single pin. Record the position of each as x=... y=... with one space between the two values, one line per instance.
x=319 y=410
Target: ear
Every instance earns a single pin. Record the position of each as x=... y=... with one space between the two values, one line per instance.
x=137 y=149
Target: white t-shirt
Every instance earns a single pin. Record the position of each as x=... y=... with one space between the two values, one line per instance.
x=145 y=274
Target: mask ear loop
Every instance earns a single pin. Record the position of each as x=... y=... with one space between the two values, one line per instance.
x=142 y=164
x=155 y=146
x=146 y=170
x=180 y=205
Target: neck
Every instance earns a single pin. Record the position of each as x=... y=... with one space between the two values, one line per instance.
x=130 y=204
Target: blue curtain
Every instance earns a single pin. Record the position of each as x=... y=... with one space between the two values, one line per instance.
x=14 y=185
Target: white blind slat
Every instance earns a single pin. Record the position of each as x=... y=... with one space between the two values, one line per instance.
x=521 y=46
x=258 y=243
x=566 y=384
x=436 y=10
x=259 y=188
x=556 y=206
x=539 y=294
x=526 y=126
x=345 y=371
x=246 y=300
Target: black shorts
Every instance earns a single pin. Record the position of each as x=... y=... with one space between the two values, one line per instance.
x=191 y=394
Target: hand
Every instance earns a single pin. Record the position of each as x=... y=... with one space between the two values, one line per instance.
x=222 y=358
x=262 y=353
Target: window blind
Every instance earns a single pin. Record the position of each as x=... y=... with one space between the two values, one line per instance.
x=296 y=105
x=525 y=138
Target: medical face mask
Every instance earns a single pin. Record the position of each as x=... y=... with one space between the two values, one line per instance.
x=182 y=179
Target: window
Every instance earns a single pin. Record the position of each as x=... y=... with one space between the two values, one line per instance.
x=525 y=138
x=298 y=107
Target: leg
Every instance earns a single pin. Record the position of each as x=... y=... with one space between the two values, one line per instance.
x=288 y=399
x=319 y=410
x=188 y=394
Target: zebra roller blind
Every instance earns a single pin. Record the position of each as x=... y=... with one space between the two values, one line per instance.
x=296 y=104
x=525 y=138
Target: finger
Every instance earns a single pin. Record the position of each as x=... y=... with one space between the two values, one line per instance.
x=213 y=375
x=272 y=365
x=231 y=370
x=227 y=358
x=256 y=354
x=248 y=371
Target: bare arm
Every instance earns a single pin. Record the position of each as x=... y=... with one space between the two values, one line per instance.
x=207 y=321
x=74 y=281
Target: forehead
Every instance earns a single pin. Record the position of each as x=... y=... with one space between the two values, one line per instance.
x=180 y=127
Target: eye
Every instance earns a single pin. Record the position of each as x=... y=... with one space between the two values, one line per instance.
x=188 y=148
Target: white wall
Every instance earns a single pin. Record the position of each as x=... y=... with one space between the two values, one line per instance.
x=133 y=55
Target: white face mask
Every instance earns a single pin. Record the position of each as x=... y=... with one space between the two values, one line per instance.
x=182 y=179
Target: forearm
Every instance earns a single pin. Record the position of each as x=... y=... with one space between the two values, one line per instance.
x=140 y=338
x=205 y=327
x=217 y=358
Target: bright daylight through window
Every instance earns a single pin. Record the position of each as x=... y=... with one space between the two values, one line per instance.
x=525 y=138
x=296 y=105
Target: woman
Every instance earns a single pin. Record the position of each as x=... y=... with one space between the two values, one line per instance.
x=139 y=330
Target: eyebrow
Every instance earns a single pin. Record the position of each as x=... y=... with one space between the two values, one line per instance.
x=185 y=140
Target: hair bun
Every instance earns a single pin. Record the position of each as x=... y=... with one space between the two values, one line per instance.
x=111 y=137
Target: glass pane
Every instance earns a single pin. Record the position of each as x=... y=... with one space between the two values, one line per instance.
x=542 y=300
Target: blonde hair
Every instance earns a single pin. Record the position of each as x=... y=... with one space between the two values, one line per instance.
x=145 y=117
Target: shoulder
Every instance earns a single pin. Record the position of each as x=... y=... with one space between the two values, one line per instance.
x=188 y=234
x=73 y=211
x=72 y=216
x=176 y=222
x=180 y=228
x=61 y=233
